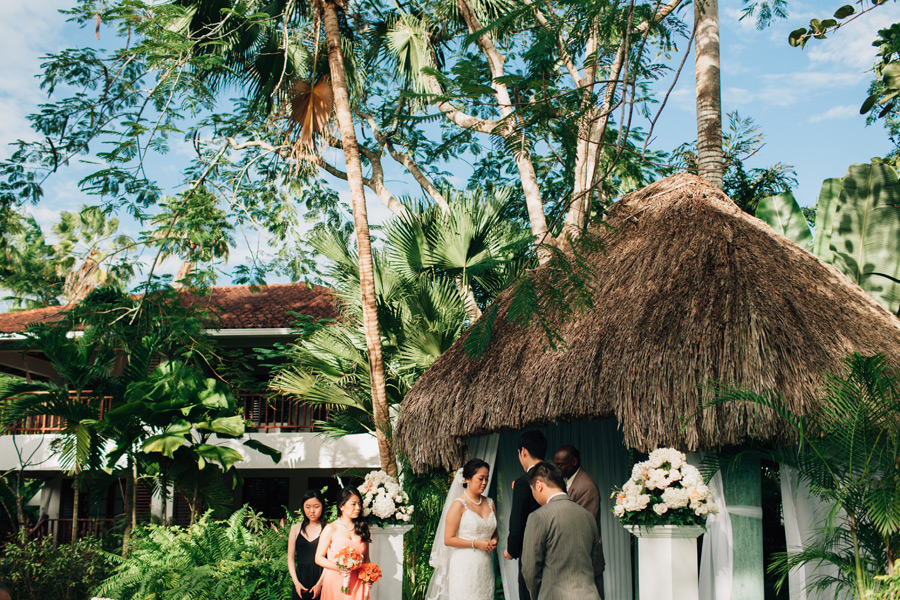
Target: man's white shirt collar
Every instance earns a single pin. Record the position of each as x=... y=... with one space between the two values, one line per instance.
x=570 y=479
x=555 y=495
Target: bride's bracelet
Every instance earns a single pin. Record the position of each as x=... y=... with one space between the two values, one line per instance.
x=473 y=544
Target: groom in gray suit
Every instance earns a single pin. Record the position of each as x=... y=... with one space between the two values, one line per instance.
x=560 y=541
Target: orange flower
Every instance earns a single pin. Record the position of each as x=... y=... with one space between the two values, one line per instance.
x=348 y=558
x=369 y=572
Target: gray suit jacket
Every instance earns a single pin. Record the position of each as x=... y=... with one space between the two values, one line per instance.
x=558 y=553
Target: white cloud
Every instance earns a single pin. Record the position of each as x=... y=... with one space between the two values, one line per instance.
x=28 y=30
x=845 y=111
x=851 y=45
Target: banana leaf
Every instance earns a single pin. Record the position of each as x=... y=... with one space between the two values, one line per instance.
x=783 y=214
x=828 y=199
x=865 y=237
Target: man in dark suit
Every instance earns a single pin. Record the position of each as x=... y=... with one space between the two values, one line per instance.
x=560 y=541
x=582 y=490
x=531 y=448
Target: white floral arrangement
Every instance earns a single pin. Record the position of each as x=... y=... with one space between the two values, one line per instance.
x=384 y=501
x=664 y=490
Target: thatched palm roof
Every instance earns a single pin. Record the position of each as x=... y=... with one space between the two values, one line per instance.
x=690 y=290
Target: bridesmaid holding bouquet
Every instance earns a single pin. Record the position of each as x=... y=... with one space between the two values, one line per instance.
x=343 y=547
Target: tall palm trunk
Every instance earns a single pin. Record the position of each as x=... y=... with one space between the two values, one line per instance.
x=76 y=505
x=361 y=225
x=129 y=506
x=709 y=94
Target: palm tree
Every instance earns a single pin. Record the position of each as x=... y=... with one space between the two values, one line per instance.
x=709 y=95
x=473 y=243
x=82 y=365
x=262 y=58
x=328 y=9
x=427 y=279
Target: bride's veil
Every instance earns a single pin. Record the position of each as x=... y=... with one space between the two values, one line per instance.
x=438 y=589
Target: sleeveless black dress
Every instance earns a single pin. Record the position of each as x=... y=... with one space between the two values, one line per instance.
x=308 y=572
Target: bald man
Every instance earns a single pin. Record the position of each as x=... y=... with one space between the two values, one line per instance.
x=582 y=490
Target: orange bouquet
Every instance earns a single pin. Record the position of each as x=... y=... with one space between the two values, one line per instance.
x=369 y=573
x=348 y=559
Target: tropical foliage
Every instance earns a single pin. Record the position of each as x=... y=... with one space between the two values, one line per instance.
x=745 y=186
x=857 y=224
x=436 y=271
x=148 y=419
x=847 y=449
x=38 y=569
x=240 y=559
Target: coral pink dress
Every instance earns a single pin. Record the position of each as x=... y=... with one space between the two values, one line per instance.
x=331 y=584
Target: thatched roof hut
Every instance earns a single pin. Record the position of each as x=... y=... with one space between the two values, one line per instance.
x=690 y=290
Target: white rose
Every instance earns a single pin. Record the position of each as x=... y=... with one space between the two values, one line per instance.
x=619 y=511
x=660 y=508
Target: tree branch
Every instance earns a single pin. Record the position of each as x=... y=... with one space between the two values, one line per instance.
x=406 y=160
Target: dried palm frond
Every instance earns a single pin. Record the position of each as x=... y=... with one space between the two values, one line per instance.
x=312 y=110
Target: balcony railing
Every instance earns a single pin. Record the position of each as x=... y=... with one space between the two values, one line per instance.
x=47 y=424
x=266 y=413
x=262 y=413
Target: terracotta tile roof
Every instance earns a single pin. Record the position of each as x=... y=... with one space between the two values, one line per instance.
x=237 y=306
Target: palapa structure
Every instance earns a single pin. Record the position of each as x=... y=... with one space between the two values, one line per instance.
x=690 y=290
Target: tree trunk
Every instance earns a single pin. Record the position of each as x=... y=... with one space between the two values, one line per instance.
x=76 y=502
x=126 y=534
x=709 y=94
x=196 y=495
x=134 y=480
x=361 y=225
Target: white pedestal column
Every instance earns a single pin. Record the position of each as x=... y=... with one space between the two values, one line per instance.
x=386 y=551
x=667 y=561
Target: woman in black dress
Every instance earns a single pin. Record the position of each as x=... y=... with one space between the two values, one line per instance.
x=302 y=543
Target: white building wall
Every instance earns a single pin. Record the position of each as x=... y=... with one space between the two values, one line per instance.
x=298 y=451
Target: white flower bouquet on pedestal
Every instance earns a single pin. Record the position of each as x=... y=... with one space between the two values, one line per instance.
x=665 y=504
x=664 y=490
x=384 y=501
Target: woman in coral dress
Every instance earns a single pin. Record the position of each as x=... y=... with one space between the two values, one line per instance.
x=350 y=529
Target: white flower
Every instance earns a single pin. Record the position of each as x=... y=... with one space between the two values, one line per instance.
x=660 y=508
x=383 y=507
x=690 y=476
x=676 y=497
x=619 y=510
x=638 y=471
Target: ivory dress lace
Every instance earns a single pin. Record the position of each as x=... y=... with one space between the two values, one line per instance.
x=471 y=571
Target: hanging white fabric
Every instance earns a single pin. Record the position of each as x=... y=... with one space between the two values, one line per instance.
x=716 y=557
x=804 y=514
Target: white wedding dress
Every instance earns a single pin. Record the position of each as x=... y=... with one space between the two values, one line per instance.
x=462 y=573
x=470 y=570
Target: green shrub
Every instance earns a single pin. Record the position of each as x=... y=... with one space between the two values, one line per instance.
x=39 y=570
x=890 y=585
x=427 y=493
x=242 y=558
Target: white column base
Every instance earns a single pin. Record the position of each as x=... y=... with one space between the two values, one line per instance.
x=667 y=561
x=386 y=551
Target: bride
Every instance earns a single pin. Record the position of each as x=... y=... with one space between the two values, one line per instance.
x=466 y=537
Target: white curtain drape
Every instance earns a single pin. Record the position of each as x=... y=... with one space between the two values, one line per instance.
x=603 y=455
x=803 y=515
x=716 y=556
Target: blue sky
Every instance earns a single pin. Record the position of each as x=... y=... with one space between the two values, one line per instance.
x=806 y=102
